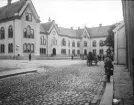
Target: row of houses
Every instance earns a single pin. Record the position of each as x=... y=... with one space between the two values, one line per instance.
x=21 y=33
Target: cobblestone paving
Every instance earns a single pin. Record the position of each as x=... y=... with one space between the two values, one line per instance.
x=72 y=85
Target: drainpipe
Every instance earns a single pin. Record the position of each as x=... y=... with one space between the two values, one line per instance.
x=47 y=43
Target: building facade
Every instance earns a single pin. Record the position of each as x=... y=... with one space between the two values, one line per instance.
x=120 y=44
x=22 y=33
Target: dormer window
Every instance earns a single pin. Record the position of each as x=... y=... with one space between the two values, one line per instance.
x=28 y=16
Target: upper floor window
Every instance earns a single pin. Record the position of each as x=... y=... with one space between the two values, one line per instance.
x=10 y=48
x=2 y=33
x=78 y=44
x=85 y=44
x=68 y=43
x=28 y=16
x=2 y=48
x=94 y=43
x=101 y=43
x=73 y=44
x=28 y=32
x=54 y=41
x=43 y=40
x=63 y=42
x=10 y=31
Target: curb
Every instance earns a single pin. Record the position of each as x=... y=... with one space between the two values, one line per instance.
x=19 y=73
x=107 y=97
x=97 y=98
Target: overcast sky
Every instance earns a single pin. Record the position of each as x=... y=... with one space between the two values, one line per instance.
x=78 y=13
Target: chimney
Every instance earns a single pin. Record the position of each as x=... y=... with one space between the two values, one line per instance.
x=71 y=28
x=9 y=2
x=49 y=20
x=100 y=25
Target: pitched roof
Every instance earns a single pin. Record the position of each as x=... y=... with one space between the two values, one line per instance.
x=67 y=32
x=8 y=11
x=46 y=26
x=79 y=32
x=119 y=26
x=98 y=31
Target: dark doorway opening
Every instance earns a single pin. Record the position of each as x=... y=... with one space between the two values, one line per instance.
x=54 y=51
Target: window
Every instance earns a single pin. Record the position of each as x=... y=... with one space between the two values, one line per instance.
x=32 y=48
x=54 y=41
x=28 y=16
x=43 y=40
x=94 y=51
x=2 y=48
x=68 y=43
x=42 y=51
x=78 y=44
x=101 y=51
x=63 y=51
x=27 y=47
x=78 y=52
x=85 y=44
x=101 y=43
x=94 y=43
x=10 y=48
x=73 y=52
x=2 y=34
x=73 y=44
x=63 y=42
x=10 y=31
x=25 y=33
x=69 y=52
x=29 y=31
x=32 y=33
x=85 y=52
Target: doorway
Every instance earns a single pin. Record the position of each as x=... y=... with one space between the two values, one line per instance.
x=54 y=51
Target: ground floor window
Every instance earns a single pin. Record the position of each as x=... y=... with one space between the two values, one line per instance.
x=101 y=51
x=78 y=52
x=42 y=51
x=10 y=48
x=63 y=51
x=2 y=48
x=94 y=51
x=73 y=52
x=69 y=52
x=28 y=47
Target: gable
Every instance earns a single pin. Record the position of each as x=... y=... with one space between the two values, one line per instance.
x=29 y=11
x=29 y=7
x=85 y=34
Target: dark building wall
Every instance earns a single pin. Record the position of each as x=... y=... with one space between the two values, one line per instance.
x=128 y=13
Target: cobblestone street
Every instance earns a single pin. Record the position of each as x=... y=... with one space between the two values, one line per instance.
x=70 y=85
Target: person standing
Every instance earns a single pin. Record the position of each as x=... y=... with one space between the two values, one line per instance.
x=108 y=68
x=30 y=57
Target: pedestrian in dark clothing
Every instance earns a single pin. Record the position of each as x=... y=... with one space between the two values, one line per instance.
x=72 y=57
x=108 y=68
x=30 y=57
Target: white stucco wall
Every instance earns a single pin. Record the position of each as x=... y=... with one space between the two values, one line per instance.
x=7 y=40
x=120 y=46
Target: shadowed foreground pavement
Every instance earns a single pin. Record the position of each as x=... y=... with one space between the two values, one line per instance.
x=72 y=85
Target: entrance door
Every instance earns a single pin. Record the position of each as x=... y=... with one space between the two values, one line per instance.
x=54 y=51
x=85 y=52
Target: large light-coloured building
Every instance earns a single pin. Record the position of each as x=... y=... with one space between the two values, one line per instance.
x=21 y=33
x=120 y=44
